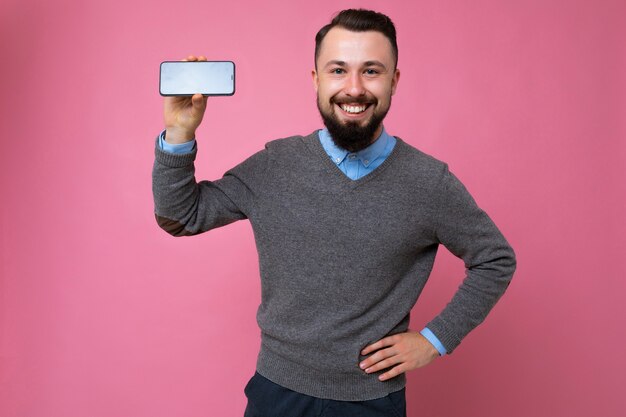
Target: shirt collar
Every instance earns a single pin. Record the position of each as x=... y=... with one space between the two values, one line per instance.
x=366 y=156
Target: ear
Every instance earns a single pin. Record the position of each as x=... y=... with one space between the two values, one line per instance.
x=394 y=81
x=316 y=81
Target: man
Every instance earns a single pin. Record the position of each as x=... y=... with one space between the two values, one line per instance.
x=347 y=222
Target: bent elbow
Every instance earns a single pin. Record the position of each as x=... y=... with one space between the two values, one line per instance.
x=172 y=227
x=512 y=261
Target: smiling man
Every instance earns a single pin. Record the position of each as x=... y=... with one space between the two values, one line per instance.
x=347 y=222
x=355 y=77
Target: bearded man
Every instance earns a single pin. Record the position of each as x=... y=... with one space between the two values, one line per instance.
x=347 y=222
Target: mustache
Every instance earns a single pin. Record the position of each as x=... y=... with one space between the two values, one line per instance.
x=354 y=100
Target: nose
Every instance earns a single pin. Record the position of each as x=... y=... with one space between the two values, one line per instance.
x=354 y=85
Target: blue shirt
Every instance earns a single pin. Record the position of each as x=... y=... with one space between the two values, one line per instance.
x=358 y=164
x=354 y=164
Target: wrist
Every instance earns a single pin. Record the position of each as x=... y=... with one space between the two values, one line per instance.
x=434 y=341
x=175 y=135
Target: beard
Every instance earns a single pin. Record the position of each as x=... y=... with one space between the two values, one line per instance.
x=351 y=136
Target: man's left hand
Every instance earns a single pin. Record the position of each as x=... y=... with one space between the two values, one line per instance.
x=407 y=351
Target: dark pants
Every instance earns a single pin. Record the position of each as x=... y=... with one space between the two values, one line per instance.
x=267 y=399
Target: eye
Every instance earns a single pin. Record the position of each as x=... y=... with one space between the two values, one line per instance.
x=371 y=71
x=337 y=71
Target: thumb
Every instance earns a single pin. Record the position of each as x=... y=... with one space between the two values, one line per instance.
x=198 y=101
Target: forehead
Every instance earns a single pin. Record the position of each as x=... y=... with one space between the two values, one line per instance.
x=355 y=47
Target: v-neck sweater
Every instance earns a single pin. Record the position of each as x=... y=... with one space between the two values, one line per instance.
x=342 y=262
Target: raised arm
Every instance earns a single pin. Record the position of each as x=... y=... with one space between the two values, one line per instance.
x=183 y=206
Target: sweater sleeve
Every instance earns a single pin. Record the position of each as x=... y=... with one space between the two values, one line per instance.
x=466 y=230
x=184 y=207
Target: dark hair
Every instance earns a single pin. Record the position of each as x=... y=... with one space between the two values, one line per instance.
x=360 y=20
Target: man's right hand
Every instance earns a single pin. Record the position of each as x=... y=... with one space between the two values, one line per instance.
x=183 y=115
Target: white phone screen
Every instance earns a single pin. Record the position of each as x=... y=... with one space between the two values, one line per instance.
x=212 y=78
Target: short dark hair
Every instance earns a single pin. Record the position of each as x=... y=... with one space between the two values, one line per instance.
x=360 y=20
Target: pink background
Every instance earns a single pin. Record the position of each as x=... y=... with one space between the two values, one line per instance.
x=103 y=314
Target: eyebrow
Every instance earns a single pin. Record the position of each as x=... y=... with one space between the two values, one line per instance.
x=337 y=62
x=375 y=64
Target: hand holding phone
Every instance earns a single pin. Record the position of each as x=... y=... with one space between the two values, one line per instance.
x=184 y=110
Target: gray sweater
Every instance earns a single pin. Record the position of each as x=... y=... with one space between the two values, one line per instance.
x=342 y=261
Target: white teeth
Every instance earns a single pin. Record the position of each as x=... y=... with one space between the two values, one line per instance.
x=353 y=109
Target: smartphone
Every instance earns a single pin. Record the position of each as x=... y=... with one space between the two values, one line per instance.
x=186 y=78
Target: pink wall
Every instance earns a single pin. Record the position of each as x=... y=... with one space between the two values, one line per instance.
x=102 y=314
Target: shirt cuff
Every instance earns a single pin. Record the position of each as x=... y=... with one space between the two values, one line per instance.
x=179 y=148
x=430 y=336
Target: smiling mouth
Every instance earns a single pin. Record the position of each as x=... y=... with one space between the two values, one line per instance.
x=352 y=108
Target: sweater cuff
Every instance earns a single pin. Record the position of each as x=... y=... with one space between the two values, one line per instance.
x=173 y=160
x=449 y=340
x=177 y=148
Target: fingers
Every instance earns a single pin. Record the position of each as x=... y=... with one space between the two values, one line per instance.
x=385 y=359
x=380 y=360
x=393 y=372
x=193 y=58
x=387 y=341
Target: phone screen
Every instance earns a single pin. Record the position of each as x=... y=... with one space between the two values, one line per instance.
x=211 y=78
